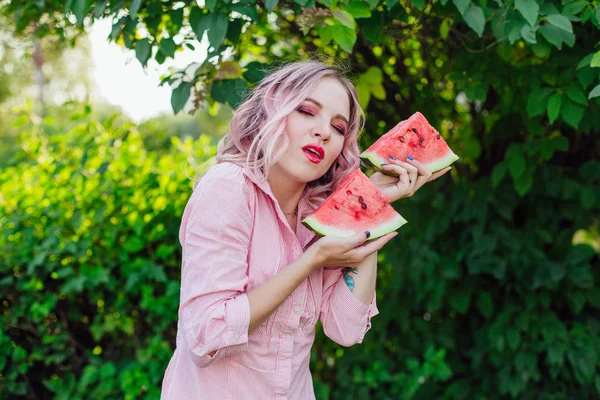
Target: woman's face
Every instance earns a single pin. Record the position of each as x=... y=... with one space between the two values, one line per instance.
x=316 y=132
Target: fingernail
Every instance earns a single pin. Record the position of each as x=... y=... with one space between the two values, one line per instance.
x=410 y=158
x=367 y=233
x=392 y=158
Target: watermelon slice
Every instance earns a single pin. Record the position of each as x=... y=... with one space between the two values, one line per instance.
x=413 y=137
x=356 y=205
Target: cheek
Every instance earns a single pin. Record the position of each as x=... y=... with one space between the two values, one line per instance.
x=336 y=148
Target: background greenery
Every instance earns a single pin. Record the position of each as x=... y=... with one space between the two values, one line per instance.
x=490 y=291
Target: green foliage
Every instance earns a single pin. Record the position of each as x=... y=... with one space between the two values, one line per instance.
x=89 y=267
x=490 y=290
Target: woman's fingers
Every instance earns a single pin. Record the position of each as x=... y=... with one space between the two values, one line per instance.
x=436 y=175
x=361 y=252
x=400 y=171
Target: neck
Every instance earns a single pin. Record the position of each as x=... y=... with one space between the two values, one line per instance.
x=287 y=191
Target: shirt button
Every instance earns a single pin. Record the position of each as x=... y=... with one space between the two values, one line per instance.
x=297 y=309
x=288 y=337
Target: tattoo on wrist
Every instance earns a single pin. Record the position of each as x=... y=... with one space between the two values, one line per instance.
x=348 y=279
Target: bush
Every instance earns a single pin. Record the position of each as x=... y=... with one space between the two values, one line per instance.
x=487 y=292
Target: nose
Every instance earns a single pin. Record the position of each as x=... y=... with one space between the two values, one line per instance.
x=321 y=129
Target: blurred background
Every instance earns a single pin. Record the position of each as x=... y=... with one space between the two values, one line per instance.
x=489 y=292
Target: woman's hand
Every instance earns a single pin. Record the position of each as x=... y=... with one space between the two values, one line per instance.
x=338 y=251
x=411 y=176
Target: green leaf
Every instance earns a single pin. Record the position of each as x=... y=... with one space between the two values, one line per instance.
x=595 y=92
x=575 y=7
x=135 y=7
x=326 y=33
x=211 y=4
x=373 y=75
x=364 y=94
x=475 y=19
x=460 y=301
x=537 y=101
x=541 y=49
x=143 y=50
x=553 y=108
x=180 y=96
x=498 y=173
x=524 y=183
x=271 y=4
x=561 y=22
x=572 y=113
x=217 y=28
x=345 y=37
x=391 y=3
x=529 y=9
x=461 y=5
x=588 y=197
x=516 y=165
x=199 y=22
x=378 y=91
x=418 y=4
x=576 y=93
x=528 y=34
x=445 y=28
x=567 y=37
x=247 y=10
x=485 y=304
x=255 y=71
x=585 y=61
x=595 y=61
x=167 y=47
x=514 y=30
x=373 y=28
x=598 y=12
x=513 y=337
x=552 y=35
x=359 y=9
x=79 y=10
x=231 y=91
x=345 y=19
x=235 y=30
x=99 y=8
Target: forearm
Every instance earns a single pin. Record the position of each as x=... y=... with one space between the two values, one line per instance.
x=265 y=299
x=362 y=279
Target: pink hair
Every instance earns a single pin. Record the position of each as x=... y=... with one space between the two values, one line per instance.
x=257 y=137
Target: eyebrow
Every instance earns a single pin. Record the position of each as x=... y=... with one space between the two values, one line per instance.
x=321 y=106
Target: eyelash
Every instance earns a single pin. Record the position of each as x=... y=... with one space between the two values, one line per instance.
x=337 y=128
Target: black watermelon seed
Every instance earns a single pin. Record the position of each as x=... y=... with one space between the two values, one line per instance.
x=363 y=205
x=414 y=130
x=360 y=199
x=401 y=139
x=439 y=137
x=421 y=139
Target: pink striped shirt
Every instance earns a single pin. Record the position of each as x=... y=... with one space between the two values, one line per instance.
x=234 y=238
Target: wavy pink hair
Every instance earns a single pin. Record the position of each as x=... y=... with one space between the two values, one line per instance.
x=257 y=136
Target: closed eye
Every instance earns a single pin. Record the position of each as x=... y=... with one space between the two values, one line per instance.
x=337 y=128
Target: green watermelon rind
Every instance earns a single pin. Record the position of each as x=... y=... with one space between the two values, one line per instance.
x=433 y=166
x=376 y=231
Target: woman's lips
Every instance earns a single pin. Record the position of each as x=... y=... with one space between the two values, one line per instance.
x=312 y=157
x=314 y=152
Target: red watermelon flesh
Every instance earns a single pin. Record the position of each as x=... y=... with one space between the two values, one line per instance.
x=413 y=137
x=356 y=205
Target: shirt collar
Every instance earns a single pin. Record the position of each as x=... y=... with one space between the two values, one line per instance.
x=304 y=234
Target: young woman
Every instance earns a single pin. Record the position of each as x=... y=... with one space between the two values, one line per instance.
x=254 y=280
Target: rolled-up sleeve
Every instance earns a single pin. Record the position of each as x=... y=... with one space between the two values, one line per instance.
x=215 y=234
x=345 y=318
